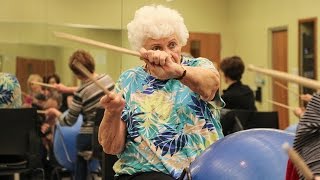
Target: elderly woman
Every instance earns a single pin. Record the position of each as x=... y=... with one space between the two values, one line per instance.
x=159 y=119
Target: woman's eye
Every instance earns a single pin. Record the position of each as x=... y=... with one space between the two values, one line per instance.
x=172 y=45
x=155 y=48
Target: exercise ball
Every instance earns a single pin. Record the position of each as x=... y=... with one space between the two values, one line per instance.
x=292 y=128
x=249 y=155
x=65 y=146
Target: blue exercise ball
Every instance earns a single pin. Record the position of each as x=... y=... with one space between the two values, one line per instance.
x=65 y=146
x=250 y=155
x=292 y=128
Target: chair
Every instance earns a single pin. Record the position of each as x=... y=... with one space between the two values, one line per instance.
x=107 y=160
x=268 y=119
x=233 y=120
x=20 y=142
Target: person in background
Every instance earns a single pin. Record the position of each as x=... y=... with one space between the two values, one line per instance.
x=237 y=95
x=47 y=129
x=158 y=120
x=59 y=90
x=10 y=91
x=85 y=101
x=36 y=96
x=53 y=79
x=307 y=140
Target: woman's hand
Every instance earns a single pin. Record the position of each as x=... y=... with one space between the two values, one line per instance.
x=52 y=113
x=306 y=97
x=113 y=102
x=162 y=65
x=299 y=111
x=45 y=128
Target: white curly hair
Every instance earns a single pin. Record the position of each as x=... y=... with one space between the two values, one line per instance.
x=156 y=21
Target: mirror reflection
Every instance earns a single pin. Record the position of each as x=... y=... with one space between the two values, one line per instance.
x=29 y=48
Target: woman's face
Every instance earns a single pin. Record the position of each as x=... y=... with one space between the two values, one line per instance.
x=52 y=81
x=35 y=88
x=169 y=44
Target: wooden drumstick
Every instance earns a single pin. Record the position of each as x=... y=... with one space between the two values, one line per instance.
x=285 y=76
x=43 y=84
x=41 y=111
x=280 y=104
x=286 y=88
x=89 y=75
x=298 y=162
x=96 y=43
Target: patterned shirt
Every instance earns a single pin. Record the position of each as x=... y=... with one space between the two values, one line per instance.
x=168 y=125
x=307 y=140
x=10 y=91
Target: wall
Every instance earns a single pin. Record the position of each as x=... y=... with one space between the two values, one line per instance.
x=32 y=23
x=250 y=25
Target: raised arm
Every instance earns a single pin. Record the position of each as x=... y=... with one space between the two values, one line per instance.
x=112 y=130
x=203 y=81
x=65 y=89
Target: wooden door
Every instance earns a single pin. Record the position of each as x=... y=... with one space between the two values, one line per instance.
x=26 y=66
x=279 y=62
x=205 y=45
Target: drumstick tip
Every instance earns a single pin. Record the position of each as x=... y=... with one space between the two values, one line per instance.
x=55 y=33
x=250 y=66
x=58 y=34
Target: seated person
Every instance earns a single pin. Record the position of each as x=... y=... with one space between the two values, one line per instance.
x=85 y=101
x=36 y=96
x=237 y=95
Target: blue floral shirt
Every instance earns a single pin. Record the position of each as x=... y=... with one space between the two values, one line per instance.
x=10 y=91
x=168 y=125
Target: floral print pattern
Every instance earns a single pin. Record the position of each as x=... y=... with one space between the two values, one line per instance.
x=168 y=125
x=10 y=91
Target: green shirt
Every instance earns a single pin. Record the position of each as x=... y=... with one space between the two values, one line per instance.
x=168 y=125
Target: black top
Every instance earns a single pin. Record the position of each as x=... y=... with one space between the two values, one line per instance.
x=239 y=96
